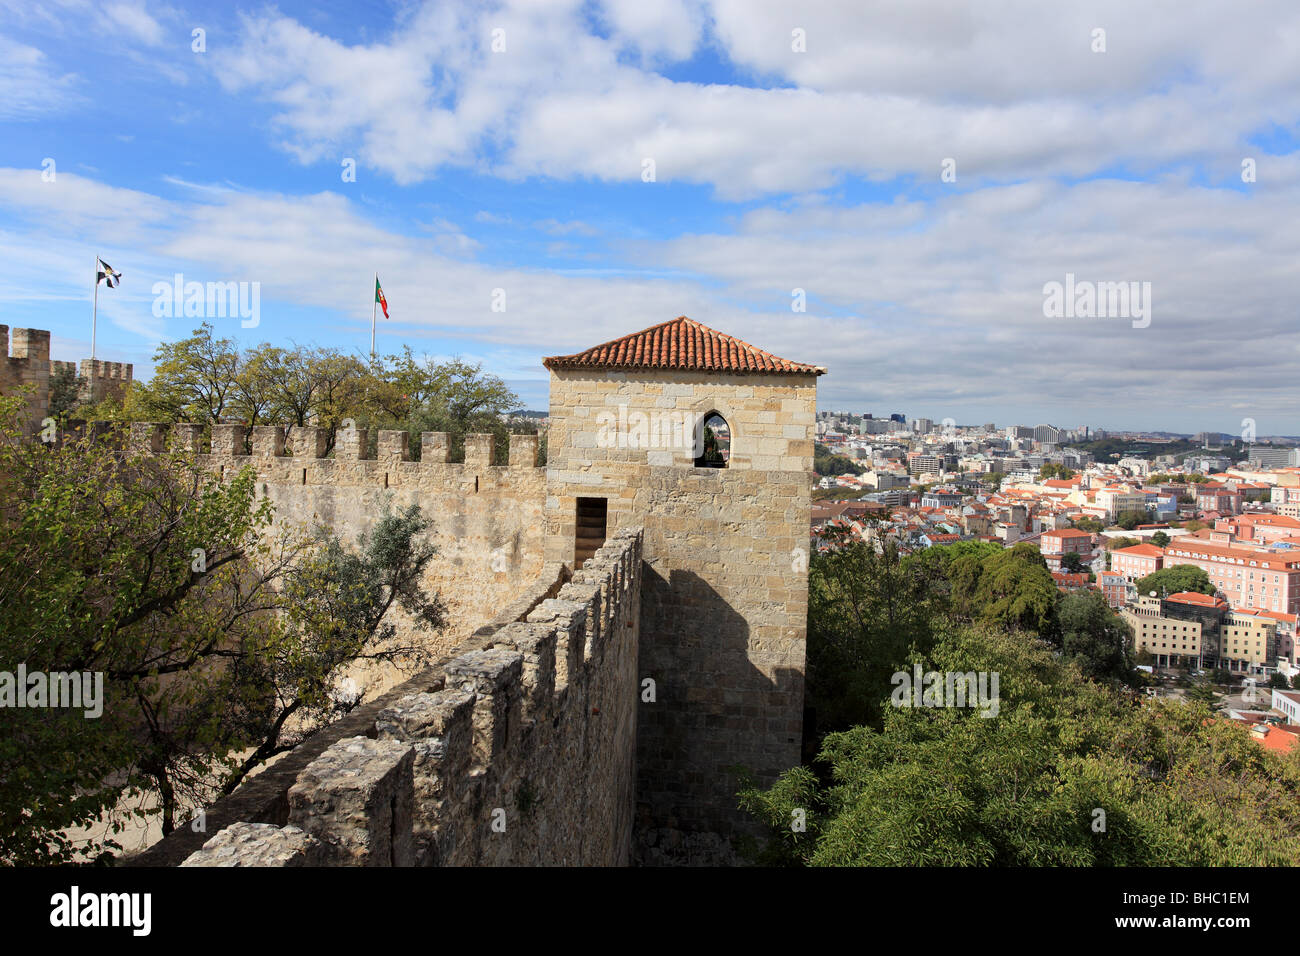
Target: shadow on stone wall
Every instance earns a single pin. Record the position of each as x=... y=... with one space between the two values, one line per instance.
x=715 y=710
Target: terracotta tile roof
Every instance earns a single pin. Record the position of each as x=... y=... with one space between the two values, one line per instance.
x=1141 y=550
x=681 y=344
x=1195 y=597
x=1065 y=579
x=1273 y=561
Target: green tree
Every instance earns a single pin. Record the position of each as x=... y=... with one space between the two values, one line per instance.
x=947 y=786
x=1175 y=579
x=825 y=463
x=64 y=391
x=194 y=378
x=869 y=608
x=1128 y=520
x=1072 y=562
x=1203 y=692
x=1013 y=591
x=1160 y=539
x=1091 y=525
x=1098 y=639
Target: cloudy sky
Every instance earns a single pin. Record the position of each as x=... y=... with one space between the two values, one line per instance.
x=919 y=170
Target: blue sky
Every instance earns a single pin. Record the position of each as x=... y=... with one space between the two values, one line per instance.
x=795 y=146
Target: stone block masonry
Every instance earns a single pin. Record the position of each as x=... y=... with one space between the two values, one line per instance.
x=30 y=365
x=487 y=518
x=521 y=751
x=725 y=596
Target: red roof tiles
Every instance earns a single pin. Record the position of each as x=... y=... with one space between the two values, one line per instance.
x=1195 y=597
x=681 y=344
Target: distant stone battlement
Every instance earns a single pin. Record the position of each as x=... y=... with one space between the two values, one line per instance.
x=98 y=368
x=100 y=379
x=519 y=750
x=30 y=365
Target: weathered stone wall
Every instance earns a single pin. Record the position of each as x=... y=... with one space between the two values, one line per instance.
x=100 y=379
x=30 y=364
x=487 y=517
x=521 y=751
x=724 y=602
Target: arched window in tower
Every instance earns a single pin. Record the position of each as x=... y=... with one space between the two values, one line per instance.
x=715 y=441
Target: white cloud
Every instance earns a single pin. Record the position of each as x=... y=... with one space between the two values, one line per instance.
x=1010 y=89
x=29 y=85
x=668 y=29
x=935 y=304
x=134 y=20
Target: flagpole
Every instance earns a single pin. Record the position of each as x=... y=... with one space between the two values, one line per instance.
x=94 y=309
x=374 y=302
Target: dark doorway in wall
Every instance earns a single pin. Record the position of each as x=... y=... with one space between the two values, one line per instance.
x=716 y=442
x=590 y=530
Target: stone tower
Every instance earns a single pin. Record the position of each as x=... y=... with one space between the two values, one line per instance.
x=724 y=594
x=28 y=366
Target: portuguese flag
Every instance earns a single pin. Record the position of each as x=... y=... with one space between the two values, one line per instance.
x=379 y=297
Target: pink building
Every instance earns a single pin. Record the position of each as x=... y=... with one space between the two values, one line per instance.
x=1248 y=578
x=1137 y=561
x=1054 y=545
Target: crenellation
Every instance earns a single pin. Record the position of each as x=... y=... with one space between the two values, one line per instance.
x=440 y=728
x=536 y=644
x=268 y=441
x=186 y=438
x=147 y=437
x=480 y=451
x=357 y=800
x=260 y=844
x=351 y=444
x=590 y=596
x=393 y=445
x=229 y=441
x=569 y=618
x=523 y=451
x=32 y=345
x=308 y=441
x=494 y=677
x=433 y=447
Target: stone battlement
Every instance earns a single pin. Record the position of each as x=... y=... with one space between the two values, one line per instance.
x=30 y=365
x=519 y=750
x=278 y=452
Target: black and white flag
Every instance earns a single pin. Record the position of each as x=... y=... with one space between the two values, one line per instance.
x=106 y=272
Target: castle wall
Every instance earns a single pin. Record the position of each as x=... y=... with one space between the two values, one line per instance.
x=487 y=517
x=724 y=601
x=100 y=379
x=29 y=365
x=519 y=751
